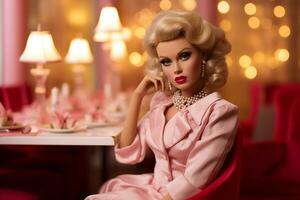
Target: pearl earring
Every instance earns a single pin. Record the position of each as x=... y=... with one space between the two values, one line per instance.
x=170 y=86
x=203 y=64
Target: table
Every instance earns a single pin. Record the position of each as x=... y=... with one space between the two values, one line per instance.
x=98 y=137
x=103 y=136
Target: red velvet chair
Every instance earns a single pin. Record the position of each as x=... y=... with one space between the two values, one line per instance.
x=227 y=184
x=255 y=100
x=9 y=194
x=291 y=166
x=260 y=95
x=15 y=97
x=271 y=168
x=283 y=99
x=43 y=184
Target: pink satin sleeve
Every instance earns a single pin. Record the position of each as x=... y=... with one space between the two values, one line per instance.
x=136 y=151
x=208 y=154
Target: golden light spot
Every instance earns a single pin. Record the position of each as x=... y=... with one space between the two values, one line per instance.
x=165 y=4
x=284 y=31
x=259 y=57
x=282 y=55
x=253 y=22
x=250 y=9
x=279 y=11
x=77 y=17
x=223 y=7
x=144 y=17
x=189 y=4
x=225 y=25
x=139 y=32
x=245 y=61
x=136 y=59
x=250 y=72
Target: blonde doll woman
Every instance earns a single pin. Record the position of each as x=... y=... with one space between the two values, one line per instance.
x=190 y=129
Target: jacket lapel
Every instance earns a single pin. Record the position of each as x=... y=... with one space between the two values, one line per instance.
x=184 y=122
x=190 y=118
x=157 y=125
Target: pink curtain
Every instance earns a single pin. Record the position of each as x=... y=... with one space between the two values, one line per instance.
x=14 y=39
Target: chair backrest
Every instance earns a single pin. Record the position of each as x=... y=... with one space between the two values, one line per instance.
x=283 y=99
x=291 y=165
x=13 y=194
x=15 y=97
x=227 y=184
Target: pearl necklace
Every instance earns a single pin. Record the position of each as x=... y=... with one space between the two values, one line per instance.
x=180 y=102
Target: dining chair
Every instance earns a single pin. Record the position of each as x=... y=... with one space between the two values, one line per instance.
x=261 y=96
x=271 y=168
x=227 y=184
x=283 y=99
x=15 y=97
x=11 y=194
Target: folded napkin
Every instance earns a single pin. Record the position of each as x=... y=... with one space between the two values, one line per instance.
x=60 y=120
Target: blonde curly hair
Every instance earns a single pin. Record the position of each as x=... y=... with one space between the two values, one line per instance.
x=210 y=40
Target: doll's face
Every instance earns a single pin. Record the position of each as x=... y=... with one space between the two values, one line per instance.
x=181 y=64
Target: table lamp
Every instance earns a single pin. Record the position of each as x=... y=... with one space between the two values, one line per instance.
x=109 y=30
x=40 y=50
x=79 y=54
x=109 y=25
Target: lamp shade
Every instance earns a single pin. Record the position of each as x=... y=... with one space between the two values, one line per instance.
x=40 y=48
x=109 y=22
x=79 y=52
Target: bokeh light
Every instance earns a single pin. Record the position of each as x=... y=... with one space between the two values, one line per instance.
x=136 y=59
x=223 y=7
x=250 y=72
x=245 y=61
x=253 y=22
x=282 y=55
x=139 y=32
x=225 y=25
x=250 y=9
x=279 y=11
x=284 y=31
x=189 y=4
x=165 y=4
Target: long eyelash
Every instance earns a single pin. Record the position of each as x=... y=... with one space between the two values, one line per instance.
x=186 y=53
x=163 y=61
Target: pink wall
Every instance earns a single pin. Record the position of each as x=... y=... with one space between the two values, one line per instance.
x=14 y=39
x=208 y=10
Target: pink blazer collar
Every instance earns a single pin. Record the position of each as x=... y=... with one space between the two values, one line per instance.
x=182 y=127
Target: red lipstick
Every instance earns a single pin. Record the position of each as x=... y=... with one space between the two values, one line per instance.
x=180 y=79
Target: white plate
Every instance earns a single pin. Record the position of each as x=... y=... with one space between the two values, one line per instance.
x=99 y=124
x=16 y=127
x=63 y=130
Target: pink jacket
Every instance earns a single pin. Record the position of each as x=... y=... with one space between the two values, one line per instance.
x=190 y=148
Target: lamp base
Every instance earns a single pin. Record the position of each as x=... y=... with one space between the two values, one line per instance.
x=40 y=75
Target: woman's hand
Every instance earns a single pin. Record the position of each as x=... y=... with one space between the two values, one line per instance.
x=167 y=197
x=150 y=84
